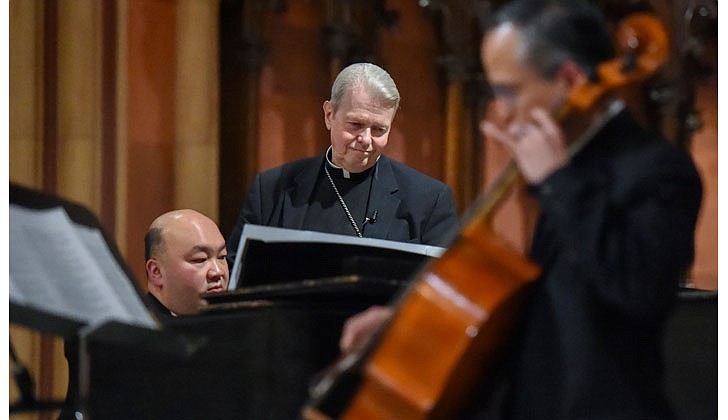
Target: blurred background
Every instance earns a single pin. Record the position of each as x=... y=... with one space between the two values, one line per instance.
x=136 y=107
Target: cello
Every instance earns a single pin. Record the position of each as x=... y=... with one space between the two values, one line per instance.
x=452 y=324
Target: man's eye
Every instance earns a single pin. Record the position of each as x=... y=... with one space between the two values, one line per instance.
x=506 y=94
x=198 y=260
x=503 y=91
x=378 y=131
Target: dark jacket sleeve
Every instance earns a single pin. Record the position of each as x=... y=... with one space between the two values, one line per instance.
x=629 y=246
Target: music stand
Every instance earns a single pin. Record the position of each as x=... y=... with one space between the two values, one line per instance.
x=66 y=274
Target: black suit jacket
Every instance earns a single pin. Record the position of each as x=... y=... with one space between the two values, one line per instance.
x=411 y=206
x=614 y=239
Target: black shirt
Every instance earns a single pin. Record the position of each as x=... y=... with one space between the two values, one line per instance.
x=326 y=212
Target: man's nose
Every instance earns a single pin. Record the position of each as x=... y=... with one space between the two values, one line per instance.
x=499 y=112
x=216 y=269
x=365 y=136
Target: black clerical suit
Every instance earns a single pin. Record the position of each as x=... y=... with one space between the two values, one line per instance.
x=162 y=312
x=406 y=205
x=614 y=237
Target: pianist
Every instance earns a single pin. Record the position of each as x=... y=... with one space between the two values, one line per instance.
x=185 y=257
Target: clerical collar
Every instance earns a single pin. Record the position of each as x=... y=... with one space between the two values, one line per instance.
x=346 y=174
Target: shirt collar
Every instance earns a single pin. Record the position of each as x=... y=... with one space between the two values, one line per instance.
x=346 y=173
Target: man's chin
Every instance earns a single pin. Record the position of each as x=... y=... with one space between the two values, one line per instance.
x=361 y=166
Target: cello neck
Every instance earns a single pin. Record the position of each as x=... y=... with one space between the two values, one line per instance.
x=643 y=42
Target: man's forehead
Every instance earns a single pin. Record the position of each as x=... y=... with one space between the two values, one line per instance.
x=501 y=53
x=190 y=220
x=504 y=39
x=190 y=242
x=189 y=231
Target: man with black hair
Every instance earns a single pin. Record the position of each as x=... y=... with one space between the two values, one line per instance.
x=615 y=233
x=618 y=208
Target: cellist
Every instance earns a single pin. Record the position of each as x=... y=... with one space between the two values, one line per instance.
x=618 y=207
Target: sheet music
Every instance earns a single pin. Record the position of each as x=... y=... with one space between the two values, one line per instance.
x=276 y=234
x=66 y=269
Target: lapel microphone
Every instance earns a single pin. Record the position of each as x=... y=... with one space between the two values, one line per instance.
x=371 y=220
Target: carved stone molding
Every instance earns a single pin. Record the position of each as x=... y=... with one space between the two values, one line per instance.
x=351 y=30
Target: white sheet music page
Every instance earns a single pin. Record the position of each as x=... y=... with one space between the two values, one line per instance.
x=67 y=269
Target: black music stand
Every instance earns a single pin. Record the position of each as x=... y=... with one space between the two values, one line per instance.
x=43 y=302
x=691 y=355
x=26 y=385
x=38 y=315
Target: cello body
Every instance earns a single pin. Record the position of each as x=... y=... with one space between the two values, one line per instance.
x=449 y=330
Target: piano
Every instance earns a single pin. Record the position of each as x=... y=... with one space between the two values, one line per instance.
x=257 y=360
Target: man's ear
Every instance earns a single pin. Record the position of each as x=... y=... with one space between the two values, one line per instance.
x=154 y=273
x=328 y=114
x=572 y=73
